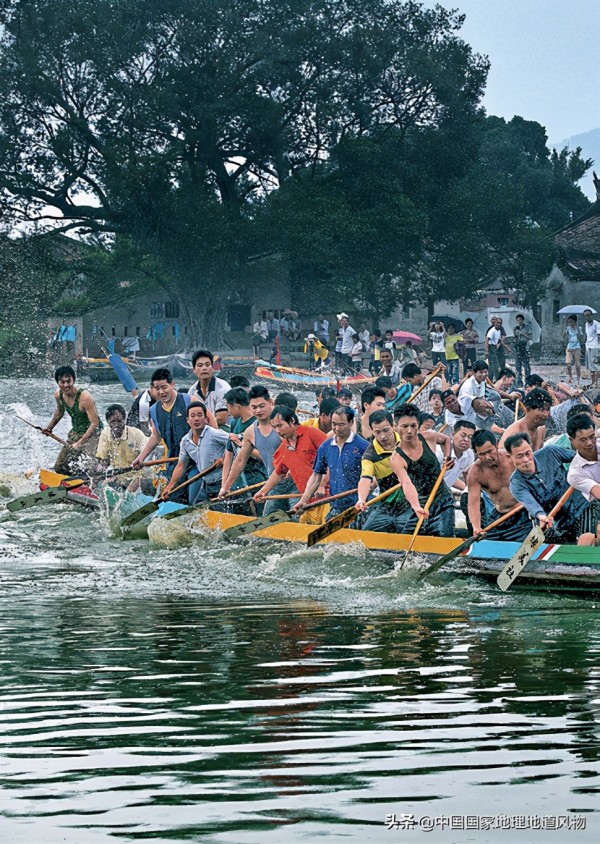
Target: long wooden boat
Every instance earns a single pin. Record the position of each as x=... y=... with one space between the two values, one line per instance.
x=566 y=568
x=305 y=378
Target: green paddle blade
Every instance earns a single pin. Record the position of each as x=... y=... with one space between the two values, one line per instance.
x=256 y=524
x=447 y=557
x=333 y=525
x=45 y=496
x=141 y=513
x=516 y=564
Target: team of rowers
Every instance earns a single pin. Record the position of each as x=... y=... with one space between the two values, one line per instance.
x=488 y=439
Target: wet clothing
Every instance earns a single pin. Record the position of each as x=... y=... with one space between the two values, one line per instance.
x=210 y=447
x=139 y=412
x=80 y=421
x=254 y=470
x=376 y=464
x=299 y=461
x=266 y=446
x=77 y=460
x=172 y=424
x=344 y=465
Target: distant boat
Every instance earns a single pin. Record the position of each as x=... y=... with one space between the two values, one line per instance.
x=306 y=378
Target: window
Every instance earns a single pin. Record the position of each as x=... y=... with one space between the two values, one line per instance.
x=503 y=301
x=114 y=331
x=555 y=310
x=174 y=331
x=171 y=310
x=125 y=331
x=138 y=331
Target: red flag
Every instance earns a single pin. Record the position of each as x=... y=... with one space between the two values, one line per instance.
x=278 y=351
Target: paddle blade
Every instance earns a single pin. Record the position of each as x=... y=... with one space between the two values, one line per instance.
x=256 y=524
x=138 y=515
x=332 y=526
x=185 y=511
x=516 y=564
x=46 y=496
x=447 y=557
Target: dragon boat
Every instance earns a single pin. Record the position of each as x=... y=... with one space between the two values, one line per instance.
x=305 y=378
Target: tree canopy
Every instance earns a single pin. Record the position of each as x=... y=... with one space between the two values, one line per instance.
x=344 y=135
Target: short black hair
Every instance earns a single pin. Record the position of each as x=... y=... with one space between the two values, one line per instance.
x=447 y=393
x=346 y=393
x=324 y=391
x=369 y=395
x=64 y=372
x=580 y=422
x=405 y=410
x=435 y=392
x=537 y=398
x=411 y=370
x=423 y=417
x=287 y=414
x=380 y=416
x=579 y=408
x=344 y=410
x=115 y=408
x=481 y=438
x=515 y=440
x=202 y=353
x=384 y=381
x=237 y=396
x=194 y=404
x=259 y=392
x=534 y=380
x=464 y=423
x=161 y=374
x=506 y=373
x=239 y=381
x=328 y=405
x=480 y=365
x=286 y=400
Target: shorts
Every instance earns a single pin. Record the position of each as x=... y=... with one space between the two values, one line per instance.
x=573 y=356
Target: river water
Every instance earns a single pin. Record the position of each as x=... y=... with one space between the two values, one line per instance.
x=259 y=693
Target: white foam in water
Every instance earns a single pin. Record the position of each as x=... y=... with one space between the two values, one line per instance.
x=169 y=533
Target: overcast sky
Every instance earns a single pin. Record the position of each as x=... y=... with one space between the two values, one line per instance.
x=545 y=59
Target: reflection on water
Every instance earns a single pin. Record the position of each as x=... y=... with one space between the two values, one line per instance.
x=248 y=692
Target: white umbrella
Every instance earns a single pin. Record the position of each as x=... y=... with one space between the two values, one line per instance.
x=576 y=309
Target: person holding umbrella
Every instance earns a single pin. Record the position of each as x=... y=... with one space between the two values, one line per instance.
x=574 y=337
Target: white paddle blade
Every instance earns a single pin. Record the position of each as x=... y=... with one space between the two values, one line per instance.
x=516 y=564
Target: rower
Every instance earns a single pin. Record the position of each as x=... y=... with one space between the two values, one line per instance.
x=83 y=438
x=261 y=439
x=339 y=456
x=119 y=444
x=238 y=407
x=201 y=446
x=461 y=454
x=323 y=422
x=209 y=389
x=376 y=468
x=537 y=404
x=475 y=385
x=371 y=400
x=584 y=471
x=489 y=495
x=412 y=377
x=538 y=482
x=139 y=412
x=415 y=459
x=168 y=421
x=296 y=455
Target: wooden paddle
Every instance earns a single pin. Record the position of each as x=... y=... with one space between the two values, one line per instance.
x=433 y=374
x=41 y=430
x=241 y=491
x=281 y=515
x=464 y=546
x=345 y=518
x=517 y=403
x=152 y=506
x=532 y=542
x=113 y=473
x=445 y=466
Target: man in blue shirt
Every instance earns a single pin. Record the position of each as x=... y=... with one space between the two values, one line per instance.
x=341 y=456
x=538 y=482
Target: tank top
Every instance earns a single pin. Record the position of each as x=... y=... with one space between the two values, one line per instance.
x=266 y=446
x=79 y=418
x=424 y=473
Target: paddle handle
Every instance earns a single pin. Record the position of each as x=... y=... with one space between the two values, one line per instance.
x=502 y=519
x=41 y=430
x=382 y=495
x=433 y=374
x=235 y=492
x=192 y=480
x=561 y=502
x=517 y=403
x=113 y=473
x=329 y=498
x=428 y=504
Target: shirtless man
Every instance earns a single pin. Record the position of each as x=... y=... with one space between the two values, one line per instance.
x=83 y=438
x=537 y=404
x=490 y=474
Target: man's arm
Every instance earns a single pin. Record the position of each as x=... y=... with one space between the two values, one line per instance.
x=153 y=440
x=274 y=479
x=86 y=402
x=178 y=473
x=474 y=500
x=237 y=466
x=408 y=488
x=586 y=486
x=435 y=438
x=521 y=493
x=56 y=416
x=311 y=487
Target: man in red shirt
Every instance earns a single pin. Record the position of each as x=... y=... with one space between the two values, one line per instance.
x=295 y=455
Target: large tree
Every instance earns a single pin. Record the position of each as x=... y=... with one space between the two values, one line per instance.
x=167 y=127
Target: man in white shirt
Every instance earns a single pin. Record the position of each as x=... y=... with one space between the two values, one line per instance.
x=592 y=331
x=461 y=453
x=584 y=471
x=390 y=367
x=209 y=389
x=475 y=385
x=321 y=330
x=347 y=333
